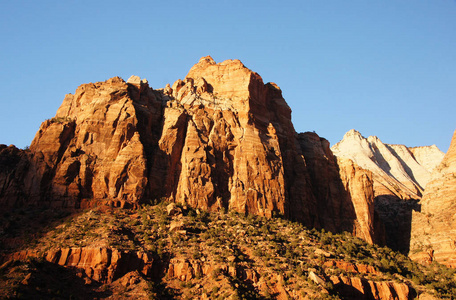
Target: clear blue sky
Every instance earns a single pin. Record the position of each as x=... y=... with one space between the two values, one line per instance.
x=385 y=68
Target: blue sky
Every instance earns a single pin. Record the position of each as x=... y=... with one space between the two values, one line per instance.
x=384 y=68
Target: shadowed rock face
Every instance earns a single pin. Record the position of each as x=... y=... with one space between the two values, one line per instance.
x=343 y=190
x=220 y=139
x=14 y=166
x=433 y=229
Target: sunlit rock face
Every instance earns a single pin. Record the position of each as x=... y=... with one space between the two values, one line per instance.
x=219 y=140
x=398 y=170
x=94 y=148
x=229 y=144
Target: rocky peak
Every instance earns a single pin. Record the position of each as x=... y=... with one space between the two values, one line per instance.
x=229 y=78
x=400 y=176
x=228 y=85
x=137 y=81
x=352 y=133
x=220 y=139
x=395 y=167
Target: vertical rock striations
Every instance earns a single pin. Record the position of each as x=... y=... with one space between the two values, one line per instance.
x=220 y=139
x=434 y=228
x=221 y=142
x=358 y=184
x=343 y=190
x=95 y=146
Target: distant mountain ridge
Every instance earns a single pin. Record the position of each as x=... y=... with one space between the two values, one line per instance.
x=400 y=176
x=397 y=169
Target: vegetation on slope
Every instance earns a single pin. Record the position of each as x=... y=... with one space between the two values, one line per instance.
x=237 y=256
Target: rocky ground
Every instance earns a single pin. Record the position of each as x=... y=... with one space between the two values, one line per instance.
x=166 y=251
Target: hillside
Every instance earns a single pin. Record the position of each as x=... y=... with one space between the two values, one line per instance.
x=167 y=251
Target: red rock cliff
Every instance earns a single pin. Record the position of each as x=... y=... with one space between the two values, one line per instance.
x=220 y=139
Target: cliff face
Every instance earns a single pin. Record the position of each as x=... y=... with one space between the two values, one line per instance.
x=111 y=266
x=358 y=184
x=433 y=228
x=142 y=254
x=14 y=164
x=428 y=157
x=343 y=190
x=220 y=139
x=93 y=148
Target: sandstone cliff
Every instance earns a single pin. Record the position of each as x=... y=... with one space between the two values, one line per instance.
x=434 y=228
x=220 y=139
x=428 y=157
x=93 y=148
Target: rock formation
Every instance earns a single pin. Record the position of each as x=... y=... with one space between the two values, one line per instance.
x=93 y=147
x=106 y=265
x=428 y=157
x=359 y=187
x=343 y=189
x=91 y=150
x=100 y=264
x=220 y=139
x=14 y=164
x=400 y=175
x=434 y=227
x=398 y=171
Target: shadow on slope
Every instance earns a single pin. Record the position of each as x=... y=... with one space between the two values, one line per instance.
x=20 y=228
x=35 y=279
x=396 y=216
